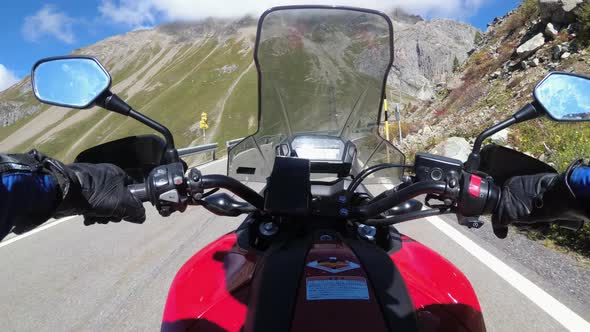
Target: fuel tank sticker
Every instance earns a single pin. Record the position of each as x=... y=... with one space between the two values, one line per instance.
x=336 y=288
x=333 y=265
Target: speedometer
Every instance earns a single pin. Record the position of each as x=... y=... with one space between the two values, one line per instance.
x=318 y=147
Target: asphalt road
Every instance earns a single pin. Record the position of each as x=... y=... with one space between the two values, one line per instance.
x=115 y=277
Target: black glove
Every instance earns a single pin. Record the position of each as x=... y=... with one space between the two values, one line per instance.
x=540 y=199
x=96 y=191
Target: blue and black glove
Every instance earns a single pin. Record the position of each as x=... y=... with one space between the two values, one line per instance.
x=534 y=201
x=96 y=191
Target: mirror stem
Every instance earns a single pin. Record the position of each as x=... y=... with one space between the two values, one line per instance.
x=112 y=102
x=528 y=112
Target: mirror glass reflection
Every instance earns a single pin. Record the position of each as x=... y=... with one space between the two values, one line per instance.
x=70 y=82
x=565 y=97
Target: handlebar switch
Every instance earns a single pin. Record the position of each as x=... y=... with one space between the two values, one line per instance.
x=470 y=222
x=166 y=188
x=431 y=167
x=170 y=196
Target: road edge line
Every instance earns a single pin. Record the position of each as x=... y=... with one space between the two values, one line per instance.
x=35 y=231
x=557 y=310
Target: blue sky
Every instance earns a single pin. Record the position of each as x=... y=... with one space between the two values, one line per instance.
x=34 y=29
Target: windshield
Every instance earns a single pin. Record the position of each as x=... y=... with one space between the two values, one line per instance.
x=321 y=73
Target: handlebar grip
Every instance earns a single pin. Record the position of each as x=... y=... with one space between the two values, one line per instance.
x=479 y=196
x=139 y=191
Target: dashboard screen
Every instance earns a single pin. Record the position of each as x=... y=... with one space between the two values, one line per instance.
x=318 y=147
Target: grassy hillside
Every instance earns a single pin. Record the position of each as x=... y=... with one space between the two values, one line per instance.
x=173 y=86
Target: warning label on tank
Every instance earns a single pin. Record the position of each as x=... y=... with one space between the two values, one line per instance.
x=337 y=288
x=333 y=265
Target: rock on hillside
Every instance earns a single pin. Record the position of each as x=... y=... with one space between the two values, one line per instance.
x=17 y=103
x=558 y=11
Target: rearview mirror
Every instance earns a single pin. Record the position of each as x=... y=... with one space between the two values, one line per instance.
x=69 y=81
x=564 y=96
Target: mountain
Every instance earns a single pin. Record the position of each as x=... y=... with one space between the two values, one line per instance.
x=178 y=70
x=426 y=51
x=513 y=55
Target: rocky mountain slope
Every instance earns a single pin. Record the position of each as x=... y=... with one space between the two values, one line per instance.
x=425 y=52
x=514 y=54
x=178 y=70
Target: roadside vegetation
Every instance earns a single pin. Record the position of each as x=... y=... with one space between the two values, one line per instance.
x=495 y=83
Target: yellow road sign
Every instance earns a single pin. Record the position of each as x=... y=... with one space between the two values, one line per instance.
x=204 y=123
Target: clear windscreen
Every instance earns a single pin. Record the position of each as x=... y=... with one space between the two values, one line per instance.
x=322 y=72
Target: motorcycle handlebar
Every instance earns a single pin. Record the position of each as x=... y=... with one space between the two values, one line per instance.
x=474 y=196
x=141 y=192
x=393 y=198
x=235 y=186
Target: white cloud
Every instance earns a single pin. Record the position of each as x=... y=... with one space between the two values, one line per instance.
x=142 y=27
x=7 y=78
x=49 y=21
x=129 y=12
x=146 y=12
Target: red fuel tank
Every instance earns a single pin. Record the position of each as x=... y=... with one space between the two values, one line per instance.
x=211 y=291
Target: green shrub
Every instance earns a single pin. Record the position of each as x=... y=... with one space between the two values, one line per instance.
x=477 y=38
x=576 y=241
x=529 y=8
x=583 y=14
x=480 y=64
x=456 y=65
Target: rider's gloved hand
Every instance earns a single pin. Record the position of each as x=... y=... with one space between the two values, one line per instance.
x=542 y=198
x=96 y=191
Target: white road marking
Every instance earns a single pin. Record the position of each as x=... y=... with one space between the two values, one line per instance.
x=562 y=314
x=35 y=231
x=59 y=221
